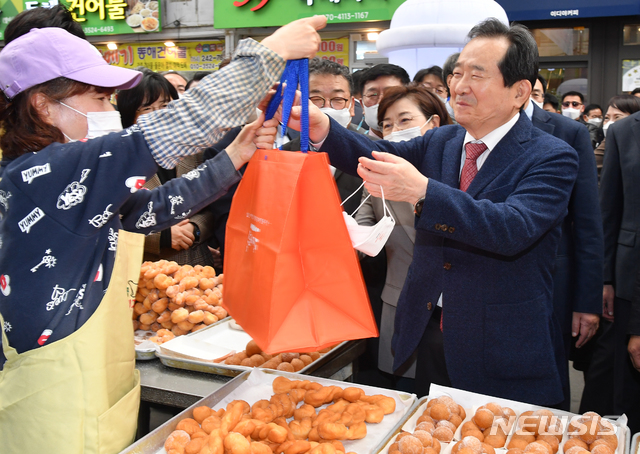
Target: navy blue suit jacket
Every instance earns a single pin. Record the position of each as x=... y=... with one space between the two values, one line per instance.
x=489 y=250
x=579 y=264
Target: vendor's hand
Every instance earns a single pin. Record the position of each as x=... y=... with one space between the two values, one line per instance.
x=244 y=145
x=400 y=180
x=182 y=236
x=584 y=325
x=634 y=351
x=608 y=295
x=298 y=39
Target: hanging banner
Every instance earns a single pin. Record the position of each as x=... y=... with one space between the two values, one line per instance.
x=336 y=50
x=197 y=56
x=630 y=75
x=269 y=13
x=10 y=9
x=108 y=17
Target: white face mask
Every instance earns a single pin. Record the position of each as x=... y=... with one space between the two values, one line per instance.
x=369 y=239
x=371 y=116
x=571 y=113
x=605 y=127
x=99 y=123
x=595 y=121
x=341 y=116
x=539 y=104
x=406 y=134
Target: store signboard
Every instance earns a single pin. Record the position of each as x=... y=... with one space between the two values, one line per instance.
x=568 y=9
x=10 y=9
x=110 y=17
x=196 y=56
x=268 y=13
x=336 y=50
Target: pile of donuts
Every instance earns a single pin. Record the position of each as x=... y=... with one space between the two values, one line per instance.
x=253 y=356
x=173 y=300
x=436 y=425
x=287 y=423
x=490 y=424
x=591 y=433
x=538 y=431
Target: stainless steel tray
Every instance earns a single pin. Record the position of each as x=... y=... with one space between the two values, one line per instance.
x=232 y=371
x=153 y=443
x=635 y=445
x=382 y=447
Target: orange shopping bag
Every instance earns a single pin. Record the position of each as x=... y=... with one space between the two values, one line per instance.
x=292 y=277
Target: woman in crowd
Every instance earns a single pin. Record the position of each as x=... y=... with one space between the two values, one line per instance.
x=69 y=204
x=185 y=242
x=618 y=108
x=405 y=112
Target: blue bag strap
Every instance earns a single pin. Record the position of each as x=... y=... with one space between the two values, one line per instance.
x=296 y=71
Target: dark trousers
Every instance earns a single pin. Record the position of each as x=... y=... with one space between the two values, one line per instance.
x=431 y=366
x=612 y=385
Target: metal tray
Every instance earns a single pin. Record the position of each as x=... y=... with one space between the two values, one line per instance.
x=635 y=445
x=232 y=371
x=382 y=447
x=153 y=442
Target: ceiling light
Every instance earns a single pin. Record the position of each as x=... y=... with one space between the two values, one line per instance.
x=372 y=36
x=169 y=44
x=112 y=46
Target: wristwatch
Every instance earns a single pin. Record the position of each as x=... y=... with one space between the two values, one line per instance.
x=417 y=207
x=196 y=232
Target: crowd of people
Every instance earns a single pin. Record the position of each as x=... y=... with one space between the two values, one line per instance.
x=514 y=247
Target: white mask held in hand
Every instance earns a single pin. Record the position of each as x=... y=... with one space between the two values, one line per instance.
x=571 y=113
x=605 y=127
x=99 y=123
x=342 y=116
x=406 y=134
x=371 y=116
x=369 y=239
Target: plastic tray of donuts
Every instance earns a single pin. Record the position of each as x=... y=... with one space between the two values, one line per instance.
x=262 y=386
x=449 y=420
x=212 y=349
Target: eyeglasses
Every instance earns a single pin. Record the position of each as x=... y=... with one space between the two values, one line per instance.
x=402 y=123
x=371 y=98
x=335 y=103
x=571 y=104
x=440 y=90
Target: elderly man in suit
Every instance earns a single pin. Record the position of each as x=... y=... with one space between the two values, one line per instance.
x=577 y=300
x=489 y=198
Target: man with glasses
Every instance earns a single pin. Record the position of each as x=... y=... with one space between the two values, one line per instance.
x=432 y=79
x=572 y=104
x=374 y=82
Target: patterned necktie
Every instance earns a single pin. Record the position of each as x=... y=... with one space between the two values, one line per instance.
x=470 y=168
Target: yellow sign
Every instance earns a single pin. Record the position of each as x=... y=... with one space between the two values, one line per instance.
x=336 y=50
x=196 y=56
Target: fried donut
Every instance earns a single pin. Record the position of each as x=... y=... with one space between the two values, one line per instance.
x=189 y=425
x=195 y=445
x=189 y=282
x=207 y=283
x=148 y=318
x=162 y=281
x=357 y=431
x=305 y=411
x=297 y=395
x=332 y=431
x=139 y=308
x=248 y=426
x=160 y=306
x=295 y=447
x=196 y=317
x=352 y=414
x=185 y=325
x=260 y=448
x=373 y=413
x=235 y=443
x=179 y=315
x=410 y=445
x=352 y=394
x=201 y=413
x=286 y=367
x=178 y=439
x=144 y=327
x=300 y=428
x=297 y=364
x=219 y=312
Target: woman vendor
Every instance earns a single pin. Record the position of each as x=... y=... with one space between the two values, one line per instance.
x=71 y=217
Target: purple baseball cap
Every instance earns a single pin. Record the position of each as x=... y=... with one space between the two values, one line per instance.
x=47 y=53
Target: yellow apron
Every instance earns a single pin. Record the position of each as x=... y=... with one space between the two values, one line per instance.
x=80 y=394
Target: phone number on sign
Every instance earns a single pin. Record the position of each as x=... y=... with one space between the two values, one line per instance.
x=108 y=29
x=348 y=16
